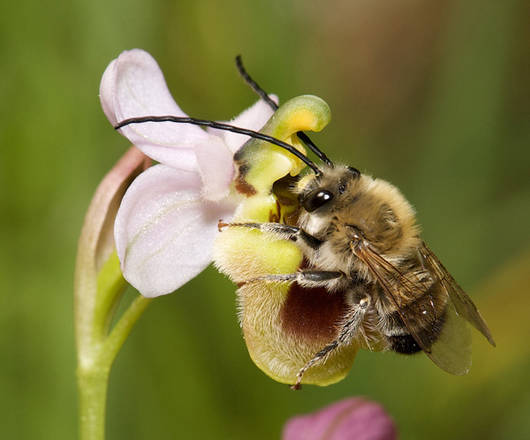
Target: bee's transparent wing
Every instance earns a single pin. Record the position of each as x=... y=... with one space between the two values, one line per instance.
x=448 y=347
x=463 y=304
x=452 y=350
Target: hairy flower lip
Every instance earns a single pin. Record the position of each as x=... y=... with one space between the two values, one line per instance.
x=265 y=179
x=167 y=221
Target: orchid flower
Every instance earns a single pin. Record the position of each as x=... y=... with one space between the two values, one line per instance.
x=168 y=218
x=167 y=227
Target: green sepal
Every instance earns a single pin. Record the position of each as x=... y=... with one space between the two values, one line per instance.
x=111 y=286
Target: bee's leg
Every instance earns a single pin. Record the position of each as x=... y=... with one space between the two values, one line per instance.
x=306 y=278
x=349 y=328
x=280 y=230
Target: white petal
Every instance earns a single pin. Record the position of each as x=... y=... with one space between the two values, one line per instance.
x=216 y=167
x=164 y=230
x=133 y=86
x=253 y=118
x=107 y=92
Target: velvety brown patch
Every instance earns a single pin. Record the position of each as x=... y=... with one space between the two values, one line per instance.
x=244 y=187
x=312 y=313
x=241 y=184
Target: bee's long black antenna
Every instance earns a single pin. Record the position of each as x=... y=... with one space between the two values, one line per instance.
x=222 y=126
x=263 y=95
x=253 y=84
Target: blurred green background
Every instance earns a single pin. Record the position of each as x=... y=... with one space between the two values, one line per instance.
x=431 y=95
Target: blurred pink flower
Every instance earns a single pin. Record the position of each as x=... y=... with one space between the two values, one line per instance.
x=167 y=221
x=353 y=418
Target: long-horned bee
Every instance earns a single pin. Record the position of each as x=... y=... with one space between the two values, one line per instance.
x=329 y=262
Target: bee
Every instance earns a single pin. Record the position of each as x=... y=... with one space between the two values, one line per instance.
x=360 y=238
x=365 y=278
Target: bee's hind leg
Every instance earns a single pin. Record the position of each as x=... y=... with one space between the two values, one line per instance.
x=348 y=329
x=280 y=230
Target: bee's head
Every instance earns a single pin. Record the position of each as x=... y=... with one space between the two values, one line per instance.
x=342 y=199
x=320 y=193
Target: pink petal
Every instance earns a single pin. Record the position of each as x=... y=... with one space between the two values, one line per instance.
x=164 y=230
x=253 y=118
x=216 y=167
x=107 y=92
x=353 y=418
x=132 y=86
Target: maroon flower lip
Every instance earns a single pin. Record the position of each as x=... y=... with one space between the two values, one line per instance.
x=354 y=418
x=312 y=313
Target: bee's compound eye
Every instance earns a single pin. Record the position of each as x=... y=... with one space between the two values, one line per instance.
x=316 y=199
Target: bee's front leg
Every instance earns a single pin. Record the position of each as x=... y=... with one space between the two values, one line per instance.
x=279 y=230
x=305 y=278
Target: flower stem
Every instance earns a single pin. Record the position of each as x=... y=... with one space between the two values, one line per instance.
x=92 y=376
x=100 y=343
x=92 y=384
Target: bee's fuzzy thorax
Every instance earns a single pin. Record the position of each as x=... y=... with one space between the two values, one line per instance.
x=397 y=219
x=374 y=206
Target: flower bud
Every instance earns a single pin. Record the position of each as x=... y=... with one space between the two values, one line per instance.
x=96 y=242
x=354 y=418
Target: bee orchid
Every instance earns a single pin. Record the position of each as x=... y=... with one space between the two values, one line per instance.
x=167 y=227
x=167 y=221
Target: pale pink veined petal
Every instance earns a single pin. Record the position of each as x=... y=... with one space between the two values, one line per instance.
x=216 y=167
x=253 y=118
x=164 y=230
x=133 y=86
x=107 y=92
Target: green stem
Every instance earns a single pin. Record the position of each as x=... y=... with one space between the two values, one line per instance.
x=92 y=384
x=93 y=373
x=99 y=348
